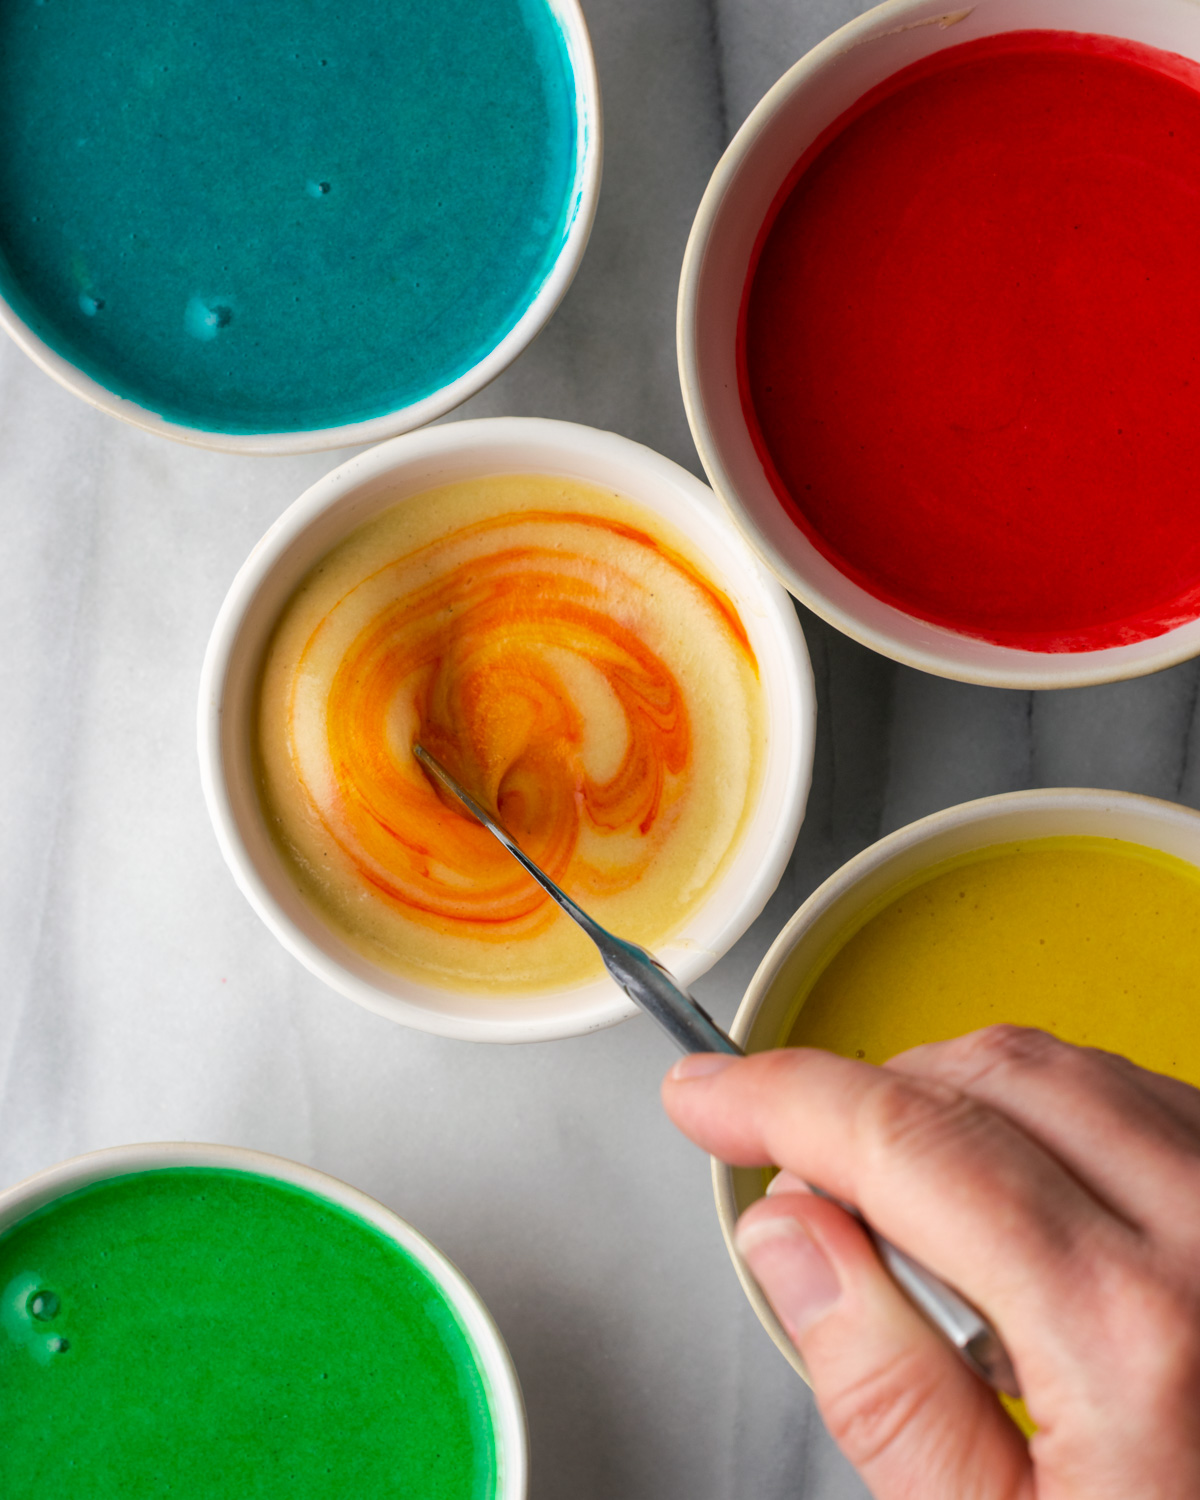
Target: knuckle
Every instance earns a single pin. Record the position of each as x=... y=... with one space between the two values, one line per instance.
x=874 y=1412
x=1008 y=1046
x=916 y=1118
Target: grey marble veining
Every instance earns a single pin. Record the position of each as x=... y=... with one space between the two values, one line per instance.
x=142 y=1000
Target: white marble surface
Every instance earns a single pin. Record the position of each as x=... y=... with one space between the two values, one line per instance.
x=140 y=998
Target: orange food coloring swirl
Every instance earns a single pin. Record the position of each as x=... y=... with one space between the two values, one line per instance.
x=491 y=663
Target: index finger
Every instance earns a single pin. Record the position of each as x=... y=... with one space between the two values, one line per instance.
x=939 y=1173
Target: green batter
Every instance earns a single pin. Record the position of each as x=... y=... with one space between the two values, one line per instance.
x=197 y=1332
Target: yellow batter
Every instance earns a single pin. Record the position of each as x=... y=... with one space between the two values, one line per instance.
x=1094 y=939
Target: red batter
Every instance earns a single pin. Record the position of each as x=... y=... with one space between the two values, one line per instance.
x=970 y=341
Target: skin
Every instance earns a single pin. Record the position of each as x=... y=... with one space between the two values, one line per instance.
x=1057 y=1187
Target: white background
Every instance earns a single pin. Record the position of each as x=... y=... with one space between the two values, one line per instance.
x=140 y=999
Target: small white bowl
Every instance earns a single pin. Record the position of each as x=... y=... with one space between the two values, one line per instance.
x=767 y=1011
x=506 y=1405
x=411 y=465
x=807 y=99
x=580 y=213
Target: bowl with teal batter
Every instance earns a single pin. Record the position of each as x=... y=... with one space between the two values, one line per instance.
x=185 y=1318
x=281 y=228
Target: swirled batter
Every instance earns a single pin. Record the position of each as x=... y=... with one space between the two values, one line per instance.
x=562 y=652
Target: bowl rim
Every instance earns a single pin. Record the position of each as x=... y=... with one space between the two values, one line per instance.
x=1007 y=667
x=834 y=889
x=588 y=447
x=506 y=1402
x=580 y=217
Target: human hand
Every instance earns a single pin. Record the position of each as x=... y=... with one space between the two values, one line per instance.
x=1056 y=1187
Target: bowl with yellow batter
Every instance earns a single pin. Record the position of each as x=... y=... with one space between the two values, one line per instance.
x=569 y=623
x=1074 y=911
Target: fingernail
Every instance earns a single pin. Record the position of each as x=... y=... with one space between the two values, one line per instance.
x=786 y=1182
x=794 y=1272
x=699 y=1065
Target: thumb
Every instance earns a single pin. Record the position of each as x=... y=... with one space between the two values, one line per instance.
x=898 y=1401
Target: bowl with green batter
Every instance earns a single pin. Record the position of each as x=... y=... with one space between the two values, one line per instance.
x=185 y=1319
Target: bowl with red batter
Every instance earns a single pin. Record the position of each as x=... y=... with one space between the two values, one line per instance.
x=938 y=336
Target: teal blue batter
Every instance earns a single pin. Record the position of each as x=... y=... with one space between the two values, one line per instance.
x=286 y=214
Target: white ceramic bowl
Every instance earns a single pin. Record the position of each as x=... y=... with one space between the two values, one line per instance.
x=409 y=466
x=581 y=211
x=807 y=99
x=507 y=1408
x=768 y=1010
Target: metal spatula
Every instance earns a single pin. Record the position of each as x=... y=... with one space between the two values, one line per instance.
x=649 y=985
